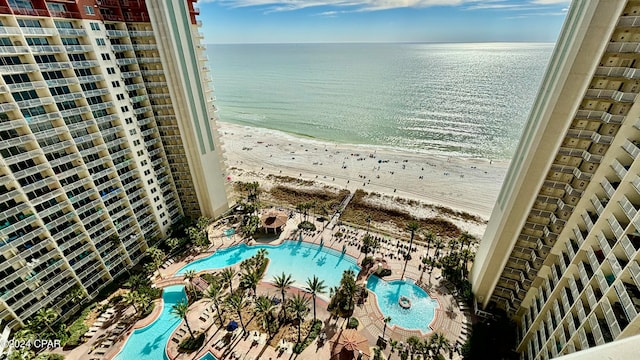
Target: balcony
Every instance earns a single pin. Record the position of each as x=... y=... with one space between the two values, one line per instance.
x=76 y=32
x=623 y=47
x=117 y=33
x=126 y=61
x=603 y=116
x=620 y=170
x=122 y=47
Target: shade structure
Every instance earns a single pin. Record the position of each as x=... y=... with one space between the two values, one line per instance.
x=274 y=220
x=232 y=325
x=349 y=344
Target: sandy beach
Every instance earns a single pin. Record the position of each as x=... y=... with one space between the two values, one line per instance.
x=469 y=185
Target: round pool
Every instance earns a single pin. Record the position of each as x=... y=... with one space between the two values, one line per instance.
x=388 y=294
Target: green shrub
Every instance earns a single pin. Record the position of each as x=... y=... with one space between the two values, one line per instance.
x=384 y=272
x=77 y=329
x=49 y=356
x=152 y=293
x=353 y=323
x=367 y=261
x=315 y=331
x=305 y=225
x=191 y=344
x=148 y=310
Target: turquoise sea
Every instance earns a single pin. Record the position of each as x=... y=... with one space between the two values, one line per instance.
x=466 y=100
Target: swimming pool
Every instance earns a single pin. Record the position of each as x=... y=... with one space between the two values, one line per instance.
x=150 y=342
x=422 y=310
x=301 y=260
x=208 y=356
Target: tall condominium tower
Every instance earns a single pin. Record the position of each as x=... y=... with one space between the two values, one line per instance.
x=560 y=253
x=107 y=136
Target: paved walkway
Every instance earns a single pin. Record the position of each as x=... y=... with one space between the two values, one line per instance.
x=450 y=319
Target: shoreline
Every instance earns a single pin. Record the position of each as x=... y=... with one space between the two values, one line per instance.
x=464 y=184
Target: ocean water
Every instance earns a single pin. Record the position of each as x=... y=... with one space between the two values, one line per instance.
x=467 y=100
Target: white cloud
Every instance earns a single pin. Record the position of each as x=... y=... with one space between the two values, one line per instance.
x=375 y=5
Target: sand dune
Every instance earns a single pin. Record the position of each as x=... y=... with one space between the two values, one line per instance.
x=470 y=185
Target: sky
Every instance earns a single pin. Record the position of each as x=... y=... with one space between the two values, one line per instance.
x=317 y=21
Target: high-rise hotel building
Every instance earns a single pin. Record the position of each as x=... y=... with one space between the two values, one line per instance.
x=560 y=253
x=107 y=136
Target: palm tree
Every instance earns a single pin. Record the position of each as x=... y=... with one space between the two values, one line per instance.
x=414 y=343
x=386 y=321
x=425 y=261
x=282 y=283
x=368 y=220
x=315 y=286
x=412 y=227
x=250 y=280
x=429 y=236
x=369 y=244
x=143 y=302
x=300 y=208
x=237 y=302
x=439 y=244
x=46 y=317
x=439 y=342
x=299 y=307
x=157 y=256
x=227 y=277
x=181 y=310
x=393 y=346
x=131 y=298
x=465 y=239
x=214 y=294
x=264 y=309
x=189 y=275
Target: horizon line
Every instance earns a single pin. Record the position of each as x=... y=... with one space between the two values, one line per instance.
x=381 y=42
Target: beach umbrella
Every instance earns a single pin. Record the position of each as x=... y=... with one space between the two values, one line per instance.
x=232 y=325
x=349 y=344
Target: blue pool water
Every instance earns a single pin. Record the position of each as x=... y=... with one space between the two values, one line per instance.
x=208 y=356
x=301 y=260
x=150 y=341
x=422 y=310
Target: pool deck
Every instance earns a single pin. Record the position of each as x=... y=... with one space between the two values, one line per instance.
x=451 y=319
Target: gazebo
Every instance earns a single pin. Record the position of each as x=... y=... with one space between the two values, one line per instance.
x=349 y=344
x=274 y=220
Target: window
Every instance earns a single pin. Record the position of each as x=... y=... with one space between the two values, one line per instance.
x=128 y=121
x=153 y=190
x=136 y=142
x=100 y=42
x=120 y=96
x=124 y=108
x=25 y=95
x=10 y=60
x=37 y=41
x=143 y=163
x=159 y=207
x=140 y=152
x=27 y=22
x=147 y=172
x=150 y=181
x=56 y=7
x=70 y=41
x=115 y=83
x=95 y=26
x=111 y=70
x=89 y=10
x=105 y=56
x=16 y=78
x=63 y=24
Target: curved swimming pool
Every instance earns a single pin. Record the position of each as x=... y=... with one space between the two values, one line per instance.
x=417 y=317
x=149 y=343
x=301 y=260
